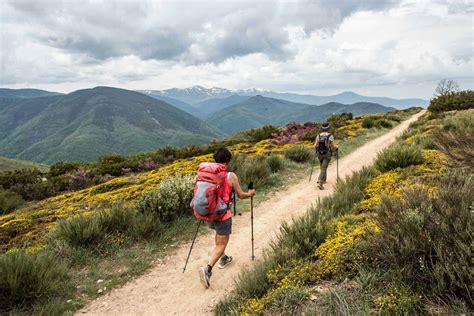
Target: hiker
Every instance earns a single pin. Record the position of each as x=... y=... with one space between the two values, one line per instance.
x=324 y=146
x=219 y=216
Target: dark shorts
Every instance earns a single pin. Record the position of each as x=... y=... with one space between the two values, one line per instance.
x=222 y=228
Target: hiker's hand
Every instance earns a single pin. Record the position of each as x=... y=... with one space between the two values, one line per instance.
x=336 y=147
x=251 y=192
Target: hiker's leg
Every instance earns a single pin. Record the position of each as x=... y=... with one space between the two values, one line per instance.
x=321 y=159
x=324 y=169
x=219 y=249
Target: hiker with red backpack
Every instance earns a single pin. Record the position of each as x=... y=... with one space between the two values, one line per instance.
x=212 y=202
x=324 y=146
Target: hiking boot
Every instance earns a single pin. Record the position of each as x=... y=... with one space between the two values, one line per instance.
x=320 y=186
x=205 y=276
x=224 y=261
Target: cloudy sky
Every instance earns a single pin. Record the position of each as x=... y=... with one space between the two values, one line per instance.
x=373 y=47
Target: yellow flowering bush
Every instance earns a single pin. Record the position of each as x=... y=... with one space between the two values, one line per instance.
x=352 y=129
x=286 y=285
x=398 y=300
x=339 y=255
x=387 y=183
x=391 y=183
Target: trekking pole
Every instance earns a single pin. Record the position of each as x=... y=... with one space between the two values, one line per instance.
x=312 y=167
x=235 y=202
x=250 y=187
x=192 y=244
x=337 y=164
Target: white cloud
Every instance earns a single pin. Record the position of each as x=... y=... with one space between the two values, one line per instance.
x=374 y=47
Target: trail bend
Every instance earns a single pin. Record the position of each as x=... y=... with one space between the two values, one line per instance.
x=165 y=290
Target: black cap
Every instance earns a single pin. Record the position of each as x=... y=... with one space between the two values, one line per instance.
x=325 y=125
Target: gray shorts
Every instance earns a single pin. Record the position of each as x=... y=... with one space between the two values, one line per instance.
x=222 y=228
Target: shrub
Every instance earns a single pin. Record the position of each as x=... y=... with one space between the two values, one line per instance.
x=118 y=219
x=393 y=117
x=256 y=170
x=9 y=201
x=339 y=120
x=287 y=301
x=299 y=154
x=368 y=122
x=82 y=179
x=171 y=200
x=461 y=100
x=398 y=156
x=79 y=231
x=63 y=167
x=35 y=191
x=31 y=184
x=375 y=121
x=295 y=131
x=251 y=283
x=384 y=123
x=147 y=225
x=428 y=239
x=399 y=300
x=264 y=132
x=275 y=162
x=455 y=139
x=25 y=279
x=115 y=164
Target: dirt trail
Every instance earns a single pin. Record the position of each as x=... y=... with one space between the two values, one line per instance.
x=165 y=290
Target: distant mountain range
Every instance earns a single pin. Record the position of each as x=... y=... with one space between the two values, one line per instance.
x=47 y=127
x=196 y=95
x=25 y=93
x=258 y=111
x=88 y=123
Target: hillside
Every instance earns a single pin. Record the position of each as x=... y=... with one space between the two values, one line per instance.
x=386 y=241
x=258 y=111
x=88 y=123
x=199 y=94
x=211 y=106
x=7 y=164
x=25 y=93
x=183 y=106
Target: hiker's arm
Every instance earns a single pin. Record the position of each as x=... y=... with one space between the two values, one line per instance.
x=334 y=146
x=236 y=185
x=316 y=143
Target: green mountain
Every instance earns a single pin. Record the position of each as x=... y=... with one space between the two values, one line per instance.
x=7 y=164
x=89 y=123
x=258 y=111
x=207 y=107
x=25 y=93
x=183 y=106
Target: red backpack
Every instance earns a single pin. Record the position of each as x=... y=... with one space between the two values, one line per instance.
x=209 y=202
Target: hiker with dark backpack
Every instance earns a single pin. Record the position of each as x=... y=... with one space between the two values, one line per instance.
x=212 y=202
x=324 y=146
